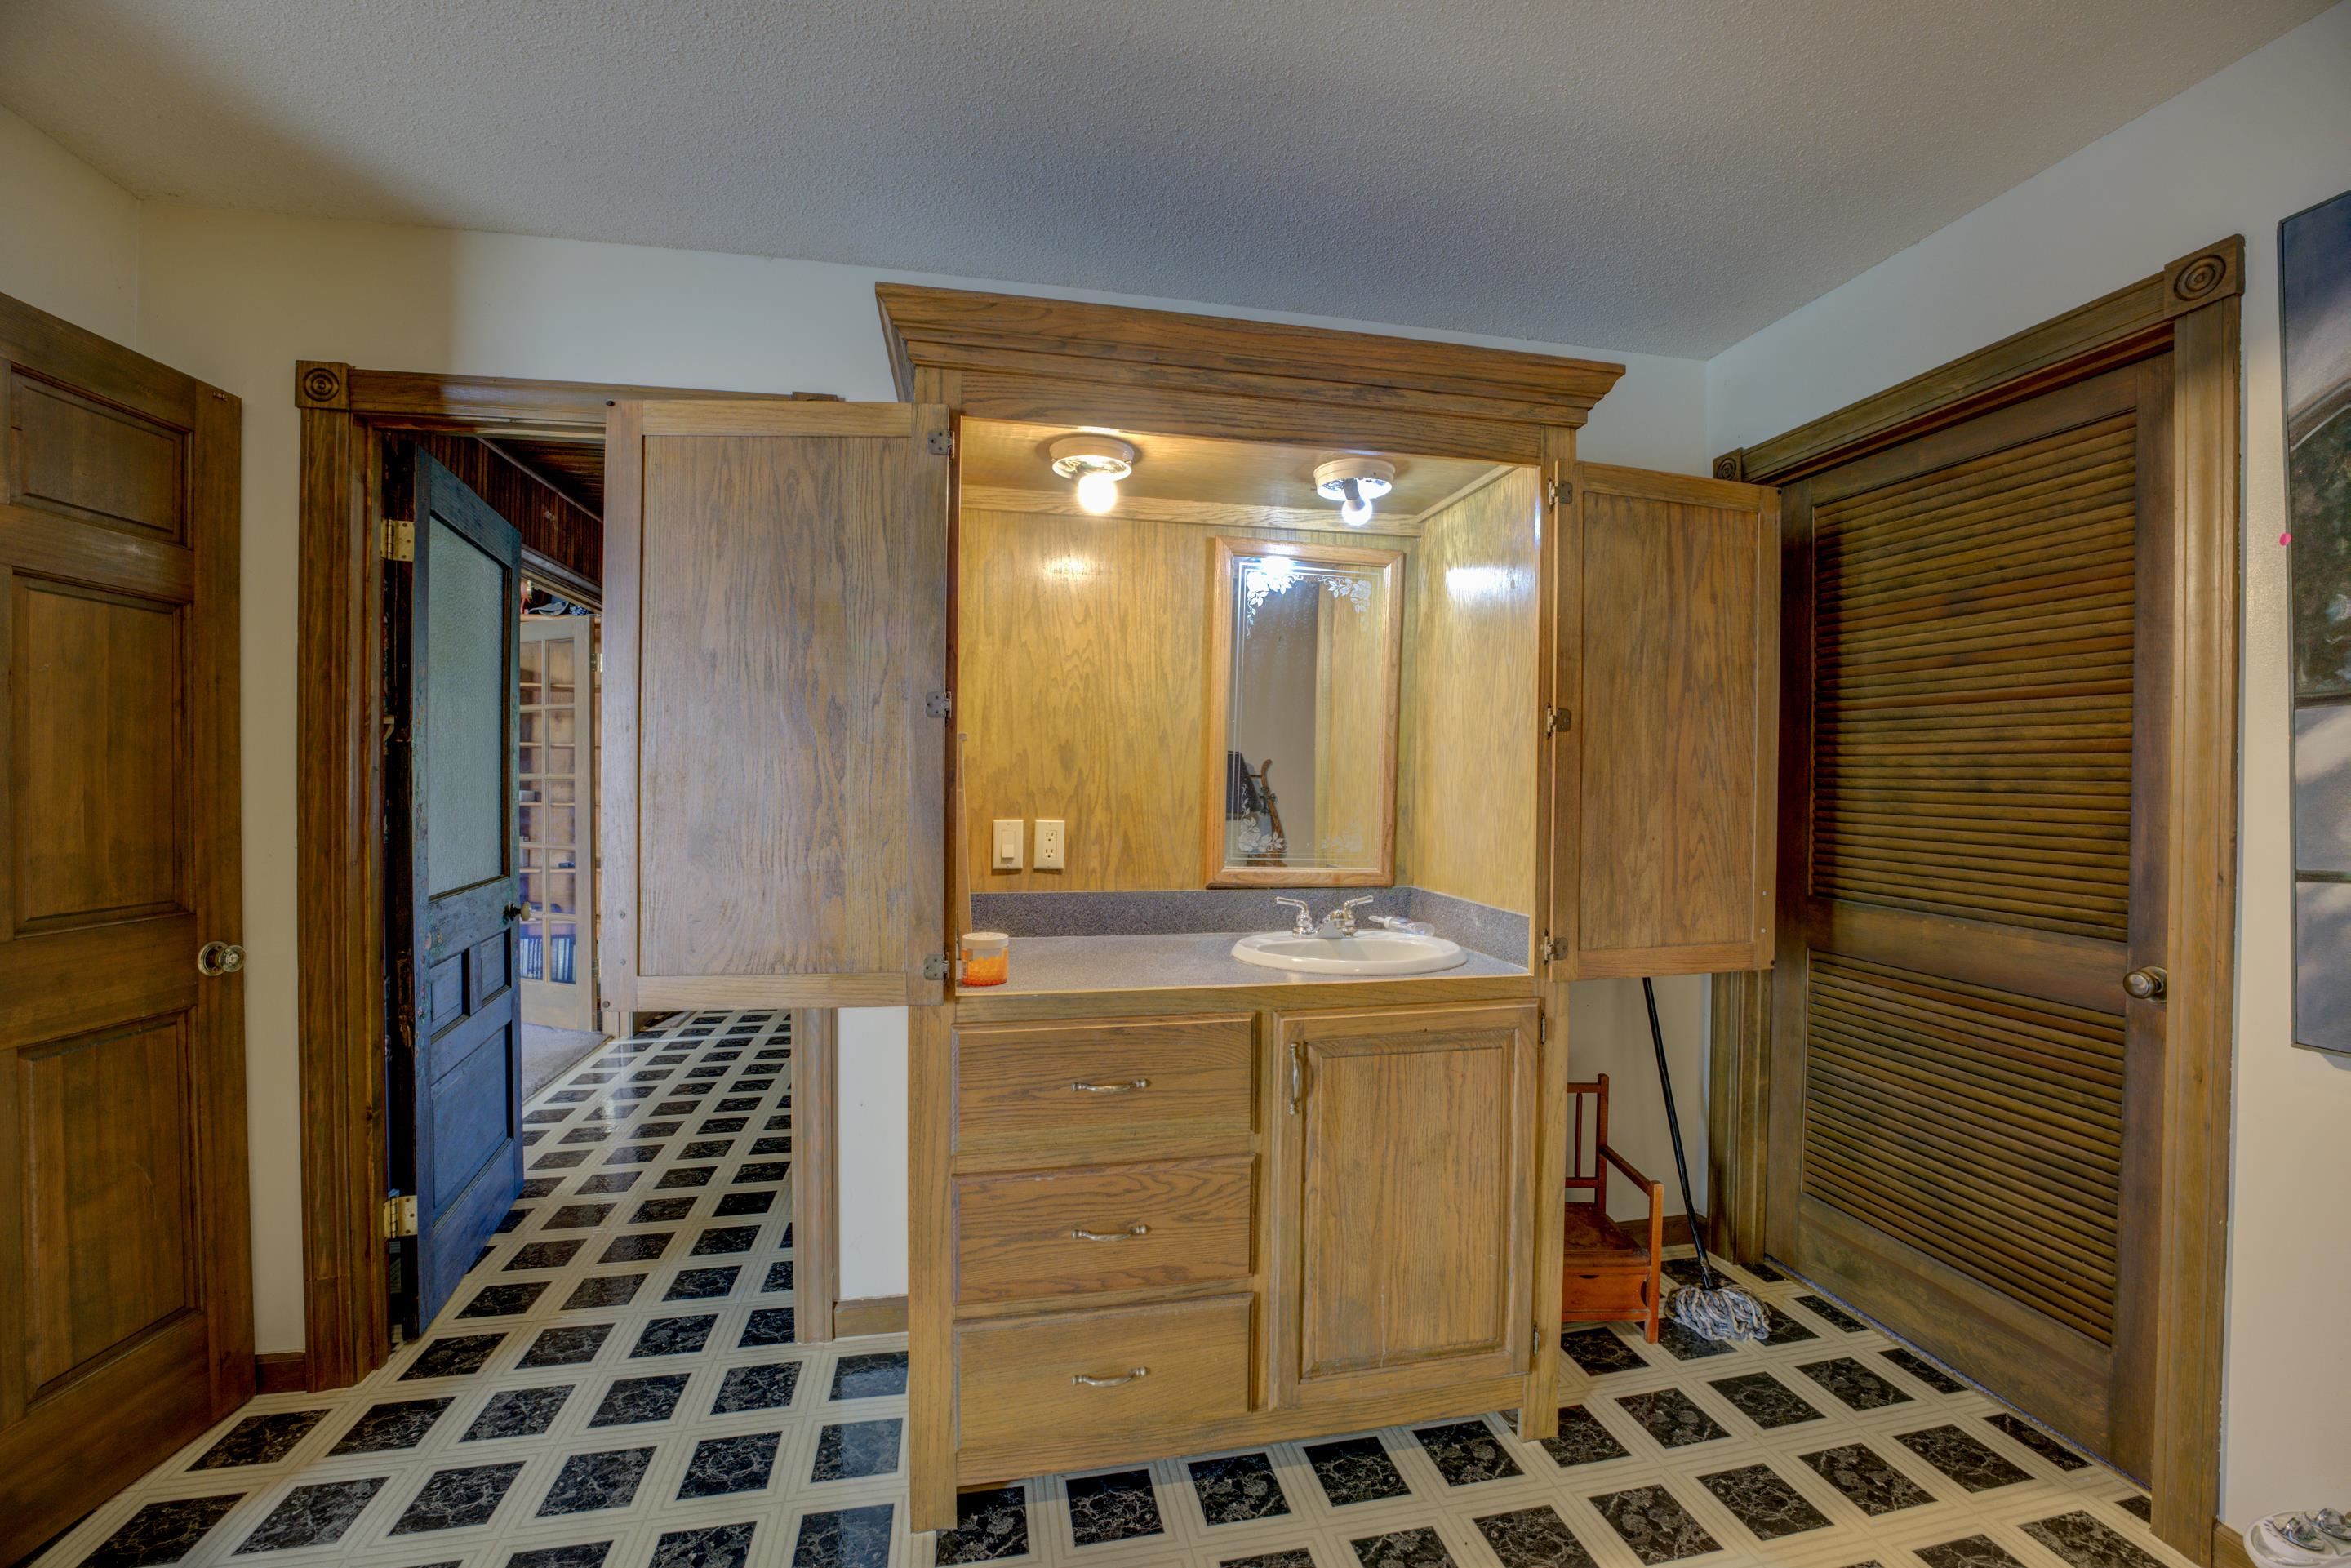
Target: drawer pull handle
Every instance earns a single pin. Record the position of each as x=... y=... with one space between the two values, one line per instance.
x=1085 y=1382
x=1127 y=1088
x=1081 y=1234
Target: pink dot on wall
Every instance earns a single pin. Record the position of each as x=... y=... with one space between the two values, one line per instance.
x=2285 y=539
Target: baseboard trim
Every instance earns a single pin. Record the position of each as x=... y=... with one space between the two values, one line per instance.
x=1678 y=1229
x=282 y=1372
x=869 y=1314
x=2228 y=1546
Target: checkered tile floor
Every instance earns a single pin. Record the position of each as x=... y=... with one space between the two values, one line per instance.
x=615 y=1385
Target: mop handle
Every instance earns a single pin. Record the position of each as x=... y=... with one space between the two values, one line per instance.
x=1674 y=1126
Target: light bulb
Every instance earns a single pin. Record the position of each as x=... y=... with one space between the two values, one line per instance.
x=1097 y=492
x=1356 y=511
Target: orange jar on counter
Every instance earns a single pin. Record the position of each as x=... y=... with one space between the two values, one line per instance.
x=986 y=958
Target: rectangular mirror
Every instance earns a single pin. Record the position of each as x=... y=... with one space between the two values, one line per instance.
x=1305 y=651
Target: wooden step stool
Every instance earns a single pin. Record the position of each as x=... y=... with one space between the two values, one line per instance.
x=1607 y=1275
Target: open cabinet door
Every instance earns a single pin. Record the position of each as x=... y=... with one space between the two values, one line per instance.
x=775 y=675
x=1666 y=726
x=456 y=1063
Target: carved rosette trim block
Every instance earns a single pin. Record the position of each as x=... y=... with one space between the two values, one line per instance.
x=2196 y=279
x=320 y=385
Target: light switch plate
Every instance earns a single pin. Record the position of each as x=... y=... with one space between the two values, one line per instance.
x=1049 y=843
x=1008 y=846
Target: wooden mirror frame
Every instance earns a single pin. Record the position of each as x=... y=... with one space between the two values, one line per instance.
x=1224 y=556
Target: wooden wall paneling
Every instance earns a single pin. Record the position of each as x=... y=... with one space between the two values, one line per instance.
x=1475 y=704
x=816 y=1171
x=551 y=524
x=1114 y=612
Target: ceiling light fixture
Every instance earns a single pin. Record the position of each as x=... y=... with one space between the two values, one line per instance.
x=1097 y=462
x=1354 y=482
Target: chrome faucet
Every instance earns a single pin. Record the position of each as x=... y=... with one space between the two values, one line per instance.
x=1341 y=922
x=1304 y=925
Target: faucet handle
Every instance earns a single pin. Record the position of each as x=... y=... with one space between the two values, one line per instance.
x=1344 y=917
x=1304 y=925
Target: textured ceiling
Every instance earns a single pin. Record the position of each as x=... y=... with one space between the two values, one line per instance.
x=1648 y=175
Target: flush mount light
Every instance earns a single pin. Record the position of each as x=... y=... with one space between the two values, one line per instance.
x=1097 y=462
x=1354 y=482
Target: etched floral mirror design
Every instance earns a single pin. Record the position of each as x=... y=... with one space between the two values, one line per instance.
x=1305 y=652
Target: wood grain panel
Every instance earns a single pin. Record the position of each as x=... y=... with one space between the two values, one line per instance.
x=1080 y=693
x=1027 y=1234
x=1168 y=1367
x=789 y=618
x=1107 y=1089
x=95 y=462
x=1672 y=731
x=100 y=820
x=105 y=1193
x=1466 y=796
x=1413 y=1156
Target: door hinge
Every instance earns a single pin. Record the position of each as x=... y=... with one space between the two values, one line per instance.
x=1555 y=720
x=399 y=1215
x=942 y=443
x=936 y=966
x=600 y=660
x=1559 y=491
x=1550 y=950
x=938 y=705
x=397 y=540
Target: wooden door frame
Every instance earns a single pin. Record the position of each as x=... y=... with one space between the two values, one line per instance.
x=2190 y=309
x=339 y=810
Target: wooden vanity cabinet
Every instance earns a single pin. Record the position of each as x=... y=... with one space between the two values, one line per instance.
x=1406 y=1208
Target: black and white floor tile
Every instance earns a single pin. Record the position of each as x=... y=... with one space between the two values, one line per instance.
x=617 y=1385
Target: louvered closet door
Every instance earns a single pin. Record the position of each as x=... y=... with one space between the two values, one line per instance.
x=1972 y=842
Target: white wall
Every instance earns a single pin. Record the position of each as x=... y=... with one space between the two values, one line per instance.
x=70 y=244
x=237 y=297
x=2263 y=139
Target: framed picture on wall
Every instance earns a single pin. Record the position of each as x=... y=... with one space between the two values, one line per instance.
x=2315 y=302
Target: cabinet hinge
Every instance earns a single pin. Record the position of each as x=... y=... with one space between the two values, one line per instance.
x=600 y=660
x=942 y=443
x=396 y=540
x=1559 y=491
x=1550 y=950
x=1555 y=720
x=938 y=705
x=935 y=967
x=399 y=1215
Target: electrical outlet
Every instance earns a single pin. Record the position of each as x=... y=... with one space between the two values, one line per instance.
x=1009 y=836
x=1049 y=843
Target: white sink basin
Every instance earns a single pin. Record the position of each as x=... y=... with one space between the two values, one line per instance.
x=1364 y=953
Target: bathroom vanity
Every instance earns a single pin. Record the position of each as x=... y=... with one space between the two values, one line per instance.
x=1122 y=626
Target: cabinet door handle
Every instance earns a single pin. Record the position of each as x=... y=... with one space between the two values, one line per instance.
x=1083 y=1381
x=1297 y=1076
x=1083 y=1234
x=1126 y=1088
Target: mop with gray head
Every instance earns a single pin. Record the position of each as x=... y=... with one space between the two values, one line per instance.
x=1713 y=1307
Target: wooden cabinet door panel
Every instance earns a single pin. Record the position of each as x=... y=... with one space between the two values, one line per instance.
x=1663 y=772
x=774 y=773
x=1409 y=1201
x=125 y=1274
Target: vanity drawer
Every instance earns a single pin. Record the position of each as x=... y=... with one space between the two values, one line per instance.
x=1164 y=1370
x=1026 y=1234
x=1104 y=1090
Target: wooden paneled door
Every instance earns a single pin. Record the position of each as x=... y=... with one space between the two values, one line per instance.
x=1967 y=1030
x=453 y=887
x=776 y=704
x=556 y=954
x=125 y=1255
x=1410 y=1205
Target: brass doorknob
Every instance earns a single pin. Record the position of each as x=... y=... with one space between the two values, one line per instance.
x=219 y=959
x=514 y=912
x=2146 y=984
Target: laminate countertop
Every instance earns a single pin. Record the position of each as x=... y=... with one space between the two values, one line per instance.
x=1052 y=965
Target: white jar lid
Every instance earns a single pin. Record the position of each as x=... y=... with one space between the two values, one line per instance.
x=986 y=941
